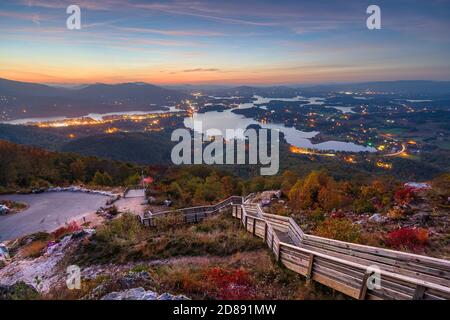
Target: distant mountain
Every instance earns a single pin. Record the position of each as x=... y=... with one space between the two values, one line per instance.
x=405 y=87
x=142 y=93
x=248 y=91
x=400 y=87
x=24 y=100
x=10 y=87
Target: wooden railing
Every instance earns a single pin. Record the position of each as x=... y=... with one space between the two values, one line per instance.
x=193 y=214
x=343 y=266
x=346 y=267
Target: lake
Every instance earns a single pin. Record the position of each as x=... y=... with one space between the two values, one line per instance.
x=229 y=120
x=94 y=116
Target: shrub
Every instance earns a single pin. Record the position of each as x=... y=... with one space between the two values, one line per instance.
x=316 y=215
x=396 y=213
x=70 y=228
x=339 y=229
x=405 y=195
x=363 y=206
x=18 y=291
x=34 y=249
x=414 y=239
x=230 y=284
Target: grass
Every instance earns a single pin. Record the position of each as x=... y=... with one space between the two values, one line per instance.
x=125 y=239
x=214 y=259
x=248 y=275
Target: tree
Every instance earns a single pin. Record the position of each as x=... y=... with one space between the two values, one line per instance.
x=288 y=179
x=98 y=179
x=107 y=180
x=77 y=170
x=133 y=180
x=305 y=193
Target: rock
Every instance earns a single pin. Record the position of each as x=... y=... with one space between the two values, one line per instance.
x=377 y=218
x=141 y=294
x=166 y=296
x=421 y=218
x=4 y=252
x=131 y=279
x=134 y=294
x=112 y=296
x=150 y=295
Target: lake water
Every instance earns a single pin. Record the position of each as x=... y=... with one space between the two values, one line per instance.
x=229 y=120
x=94 y=116
x=342 y=109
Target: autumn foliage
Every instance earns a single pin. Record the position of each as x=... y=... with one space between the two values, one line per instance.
x=414 y=239
x=339 y=229
x=405 y=195
x=229 y=284
x=70 y=228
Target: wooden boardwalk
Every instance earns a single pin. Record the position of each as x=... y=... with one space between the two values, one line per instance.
x=343 y=266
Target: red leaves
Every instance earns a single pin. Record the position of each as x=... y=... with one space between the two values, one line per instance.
x=70 y=228
x=405 y=195
x=414 y=239
x=229 y=284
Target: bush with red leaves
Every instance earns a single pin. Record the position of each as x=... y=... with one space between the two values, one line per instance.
x=414 y=239
x=405 y=195
x=230 y=284
x=338 y=214
x=70 y=228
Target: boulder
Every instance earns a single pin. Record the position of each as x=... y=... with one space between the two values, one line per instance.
x=141 y=294
x=421 y=218
x=377 y=218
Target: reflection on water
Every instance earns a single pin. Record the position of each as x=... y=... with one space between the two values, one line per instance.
x=94 y=116
x=342 y=109
x=229 y=120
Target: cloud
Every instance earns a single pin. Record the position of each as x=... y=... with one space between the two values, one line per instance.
x=202 y=70
x=199 y=33
x=62 y=4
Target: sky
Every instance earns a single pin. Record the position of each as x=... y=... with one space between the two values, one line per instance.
x=224 y=42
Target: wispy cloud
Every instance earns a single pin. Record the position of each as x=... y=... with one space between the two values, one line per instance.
x=195 y=33
x=202 y=70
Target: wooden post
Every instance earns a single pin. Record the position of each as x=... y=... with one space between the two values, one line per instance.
x=246 y=222
x=419 y=292
x=265 y=232
x=271 y=246
x=254 y=226
x=310 y=266
x=363 y=290
x=279 y=251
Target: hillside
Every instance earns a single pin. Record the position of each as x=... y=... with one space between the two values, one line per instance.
x=23 y=99
x=144 y=148
x=26 y=167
